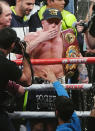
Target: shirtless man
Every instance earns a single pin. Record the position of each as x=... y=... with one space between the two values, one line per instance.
x=52 y=48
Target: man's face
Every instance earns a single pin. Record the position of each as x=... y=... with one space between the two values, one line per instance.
x=51 y=23
x=26 y=6
x=5 y=17
x=58 y=4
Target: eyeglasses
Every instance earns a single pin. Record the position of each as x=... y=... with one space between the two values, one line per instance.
x=51 y=21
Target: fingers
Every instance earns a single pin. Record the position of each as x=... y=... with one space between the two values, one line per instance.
x=44 y=74
x=81 y=21
x=52 y=33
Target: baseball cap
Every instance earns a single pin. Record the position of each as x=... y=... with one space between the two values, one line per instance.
x=52 y=13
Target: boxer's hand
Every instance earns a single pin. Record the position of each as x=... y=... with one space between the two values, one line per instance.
x=41 y=35
x=48 y=35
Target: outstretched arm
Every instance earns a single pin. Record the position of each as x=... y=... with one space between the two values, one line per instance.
x=61 y=91
x=49 y=75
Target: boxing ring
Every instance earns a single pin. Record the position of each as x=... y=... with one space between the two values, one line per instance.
x=51 y=61
x=51 y=114
x=42 y=114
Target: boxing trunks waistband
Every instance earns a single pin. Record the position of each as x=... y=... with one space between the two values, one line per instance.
x=40 y=80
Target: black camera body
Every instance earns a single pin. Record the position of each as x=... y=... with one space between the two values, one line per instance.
x=91 y=24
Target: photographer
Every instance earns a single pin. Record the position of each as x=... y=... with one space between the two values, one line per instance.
x=89 y=33
x=88 y=29
x=10 y=71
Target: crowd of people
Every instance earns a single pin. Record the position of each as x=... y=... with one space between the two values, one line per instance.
x=50 y=32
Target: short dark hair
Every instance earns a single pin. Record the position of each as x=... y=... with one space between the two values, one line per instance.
x=1 y=9
x=66 y=2
x=65 y=108
x=7 y=37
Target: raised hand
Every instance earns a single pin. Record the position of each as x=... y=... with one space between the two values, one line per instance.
x=34 y=39
x=48 y=35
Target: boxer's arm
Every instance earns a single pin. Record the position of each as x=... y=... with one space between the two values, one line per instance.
x=40 y=37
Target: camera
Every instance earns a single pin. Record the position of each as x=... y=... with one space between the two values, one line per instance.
x=91 y=24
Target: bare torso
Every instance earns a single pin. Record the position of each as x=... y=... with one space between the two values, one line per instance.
x=49 y=49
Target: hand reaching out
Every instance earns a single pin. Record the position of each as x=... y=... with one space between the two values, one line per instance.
x=48 y=74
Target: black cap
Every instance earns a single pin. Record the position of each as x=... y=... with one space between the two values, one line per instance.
x=52 y=13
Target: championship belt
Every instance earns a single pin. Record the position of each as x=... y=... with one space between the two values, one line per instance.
x=70 y=50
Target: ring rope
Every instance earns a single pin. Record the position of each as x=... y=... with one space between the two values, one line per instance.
x=42 y=114
x=67 y=86
x=59 y=61
x=34 y=114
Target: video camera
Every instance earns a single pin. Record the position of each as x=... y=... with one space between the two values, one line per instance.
x=91 y=23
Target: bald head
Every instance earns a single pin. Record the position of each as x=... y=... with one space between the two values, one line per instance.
x=5 y=14
x=2 y=2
